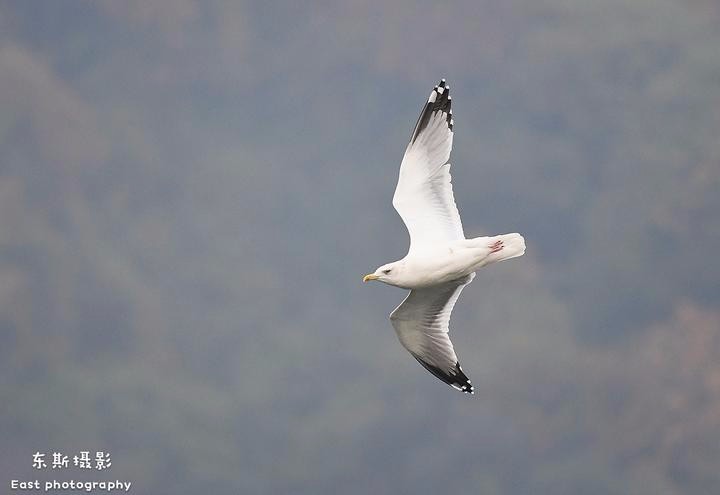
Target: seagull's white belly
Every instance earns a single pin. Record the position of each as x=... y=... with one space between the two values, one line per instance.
x=440 y=265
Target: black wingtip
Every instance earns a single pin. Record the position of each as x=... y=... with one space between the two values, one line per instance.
x=456 y=378
x=439 y=100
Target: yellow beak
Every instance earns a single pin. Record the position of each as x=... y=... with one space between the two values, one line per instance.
x=370 y=276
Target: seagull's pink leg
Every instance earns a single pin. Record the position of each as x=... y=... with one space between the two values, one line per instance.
x=496 y=246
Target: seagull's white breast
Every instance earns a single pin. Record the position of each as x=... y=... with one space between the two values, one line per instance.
x=439 y=265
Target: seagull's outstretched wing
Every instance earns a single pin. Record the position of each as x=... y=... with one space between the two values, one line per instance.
x=422 y=322
x=424 y=196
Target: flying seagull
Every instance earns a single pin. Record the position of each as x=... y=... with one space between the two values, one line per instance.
x=440 y=261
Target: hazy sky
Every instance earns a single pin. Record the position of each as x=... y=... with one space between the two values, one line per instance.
x=190 y=193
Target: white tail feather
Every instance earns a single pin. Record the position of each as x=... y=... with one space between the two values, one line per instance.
x=513 y=246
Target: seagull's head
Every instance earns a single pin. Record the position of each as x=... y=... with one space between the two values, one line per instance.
x=386 y=273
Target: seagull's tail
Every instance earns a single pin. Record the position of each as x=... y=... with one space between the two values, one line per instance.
x=513 y=246
x=501 y=247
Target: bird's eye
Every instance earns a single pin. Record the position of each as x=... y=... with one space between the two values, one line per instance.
x=387 y=271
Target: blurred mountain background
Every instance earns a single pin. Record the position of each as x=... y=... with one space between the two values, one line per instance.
x=190 y=193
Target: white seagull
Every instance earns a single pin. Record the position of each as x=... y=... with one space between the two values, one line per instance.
x=440 y=261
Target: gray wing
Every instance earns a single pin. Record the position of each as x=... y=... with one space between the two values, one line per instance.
x=422 y=324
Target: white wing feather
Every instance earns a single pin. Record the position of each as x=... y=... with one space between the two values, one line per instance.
x=424 y=195
x=422 y=323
